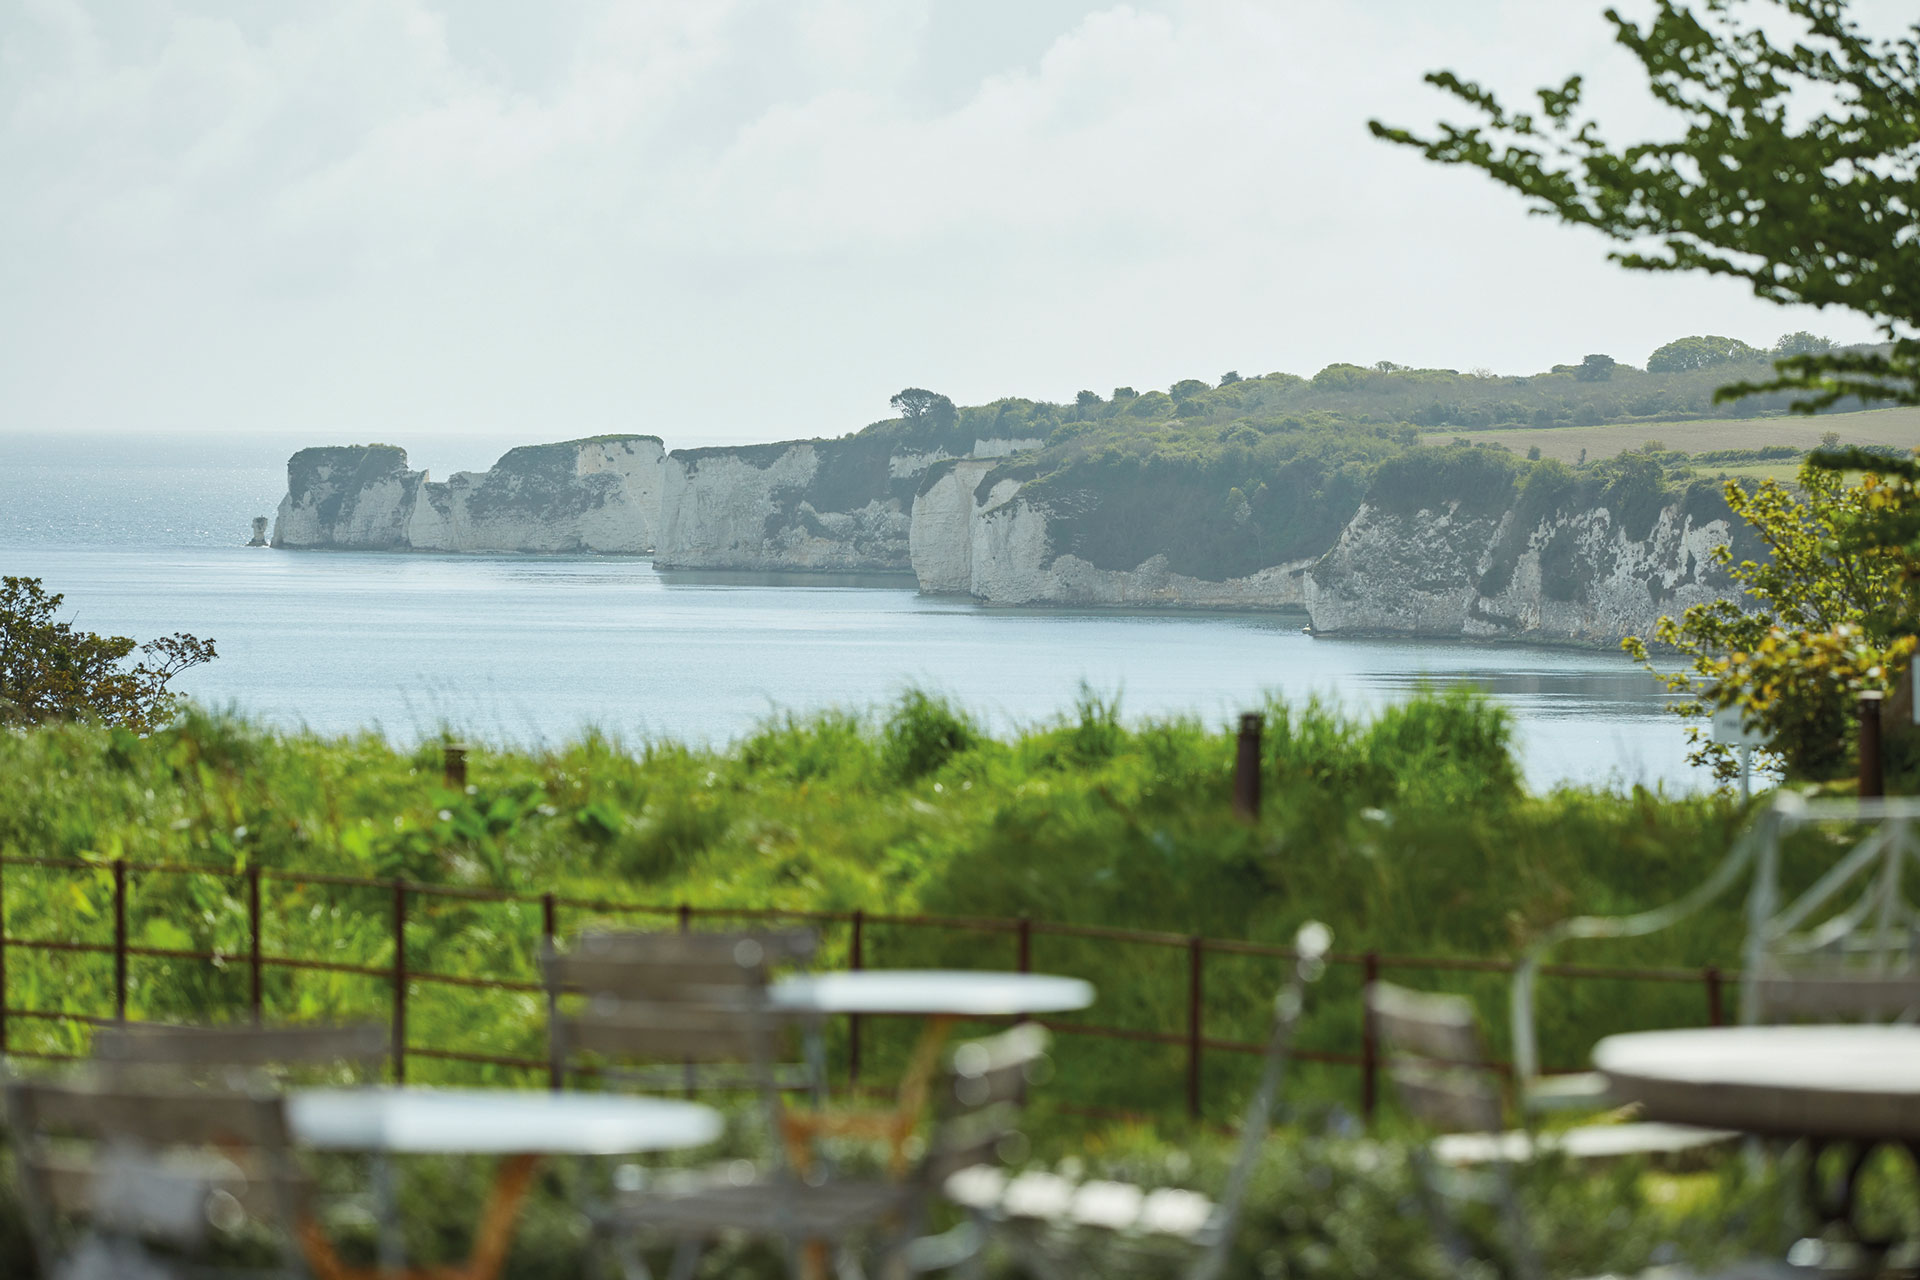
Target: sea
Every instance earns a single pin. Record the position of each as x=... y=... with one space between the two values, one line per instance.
x=145 y=535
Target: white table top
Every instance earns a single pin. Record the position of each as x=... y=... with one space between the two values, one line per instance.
x=1816 y=1081
x=961 y=992
x=495 y=1121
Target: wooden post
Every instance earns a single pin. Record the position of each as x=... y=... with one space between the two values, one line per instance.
x=453 y=762
x=399 y=981
x=1872 y=774
x=120 y=939
x=1369 y=1043
x=549 y=932
x=856 y=960
x=1196 y=958
x=1716 y=1015
x=1246 y=769
x=1025 y=954
x=255 y=996
x=3 y=961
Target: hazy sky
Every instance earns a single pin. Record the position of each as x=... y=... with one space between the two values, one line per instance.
x=726 y=220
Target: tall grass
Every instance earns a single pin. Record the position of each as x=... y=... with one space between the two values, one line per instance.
x=1409 y=833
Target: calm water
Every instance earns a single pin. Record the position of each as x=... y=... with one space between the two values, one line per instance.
x=532 y=649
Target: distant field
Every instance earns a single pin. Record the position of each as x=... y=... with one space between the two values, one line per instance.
x=1897 y=427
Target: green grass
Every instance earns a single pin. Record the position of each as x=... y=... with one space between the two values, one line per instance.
x=1409 y=833
x=1899 y=428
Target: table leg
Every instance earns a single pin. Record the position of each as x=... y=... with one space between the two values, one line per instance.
x=502 y=1218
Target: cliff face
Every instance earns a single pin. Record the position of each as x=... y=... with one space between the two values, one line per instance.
x=351 y=497
x=600 y=495
x=597 y=495
x=982 y=537
x=1585 y=576
x=810 y=505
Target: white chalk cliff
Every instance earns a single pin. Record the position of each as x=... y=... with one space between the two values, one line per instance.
x=1575 y=576
x=807 y=505
x=597 y=495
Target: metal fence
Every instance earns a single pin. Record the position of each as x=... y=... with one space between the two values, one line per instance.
x=1190 y=1039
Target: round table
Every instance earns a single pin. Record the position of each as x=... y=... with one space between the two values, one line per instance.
x=521 y=1125
x=1859 y=1083
x=403 y=1121
x=1854 y=1087
x=950 y=993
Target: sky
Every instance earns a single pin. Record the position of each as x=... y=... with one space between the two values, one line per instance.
x=723 y=221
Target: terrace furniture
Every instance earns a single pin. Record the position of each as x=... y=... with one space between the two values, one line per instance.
x=1441 y=1072
x=976 y=1103
x=1856 y=923
x=276 y=1049
x=227 y=1054
x=520 y=1125
x=134 y=1183
x=1856 y=1088
x=1046 y=1216
x=651 y=1003
x=942 y=996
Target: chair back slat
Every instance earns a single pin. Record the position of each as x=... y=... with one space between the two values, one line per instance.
x=636 y=963
x=152 y=1117
x=1440 y=1027
x=1453 y=1101
x=1836 y=997
x=153 y=1044
x=663 y=1032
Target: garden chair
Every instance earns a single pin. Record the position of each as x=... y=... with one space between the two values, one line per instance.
x=977 y=1106
x=1047 y=1217
x=237 y=1056
x=120 y=1182
x=660 y=978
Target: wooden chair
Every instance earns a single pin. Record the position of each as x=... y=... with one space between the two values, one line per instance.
x=977 y=1108
x=656 y=1009
x=1045 y=1216
x=126 y=1183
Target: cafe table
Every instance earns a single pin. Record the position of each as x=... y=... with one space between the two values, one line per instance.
x=941 y=996
x=518 y=1125
x=1852 y=1087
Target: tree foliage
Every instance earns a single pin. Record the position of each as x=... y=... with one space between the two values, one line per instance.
x=1820 y=626
x=916 y=404
x=1595 y=368
x=51 y=671
x=1807 y=207
x=1683 y=354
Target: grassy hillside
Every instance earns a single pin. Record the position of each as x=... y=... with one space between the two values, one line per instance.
x=1895 y=428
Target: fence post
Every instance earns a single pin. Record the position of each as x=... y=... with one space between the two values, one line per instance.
x=1246 y=769
x=399 y=981
x=1369 y=1042
x=856 y=959
x=453 y=764
x=120 y=939
x=254 y=994
x=3 y=961
x=1715 y=1017
x=685 y=913
x=1872 y=777
x=1195 y=959
x=1025 y=935
x=549 y=932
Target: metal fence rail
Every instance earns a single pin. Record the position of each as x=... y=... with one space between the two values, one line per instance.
x=1191 y=1036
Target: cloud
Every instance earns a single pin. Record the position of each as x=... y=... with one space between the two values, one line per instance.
x=748 y=218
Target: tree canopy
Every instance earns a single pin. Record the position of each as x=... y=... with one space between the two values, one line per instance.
x=1683 y=354
x=51 y=671
x=916 y=404
x=1814 y=207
